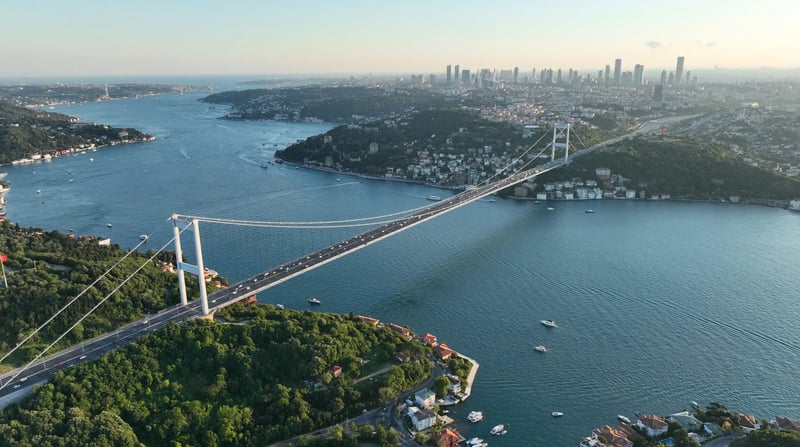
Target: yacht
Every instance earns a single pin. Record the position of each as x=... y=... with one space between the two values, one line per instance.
x=498 y=429
x=541 y=348
x=475 y=416
x=434 y=198
x=549 y=323
x=557 y=414
x=313 y=300
x=623 y=419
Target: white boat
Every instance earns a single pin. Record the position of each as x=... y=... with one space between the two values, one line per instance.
x=109 y=225
x=434 y=198
x=474 y=441
x=623 y=419
x=279 y=306
x=557 y=414
x=695 y=405
x=549 y=323
x=541 y=348
x=143 y=237
x=550 y=208
x=589 y=211
x=313 y=300
x=475 y=416
x=497 y=429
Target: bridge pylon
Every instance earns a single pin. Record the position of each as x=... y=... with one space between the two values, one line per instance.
x=182 y=267
x=560 y=140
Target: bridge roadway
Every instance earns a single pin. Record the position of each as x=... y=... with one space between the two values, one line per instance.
x=14 y=389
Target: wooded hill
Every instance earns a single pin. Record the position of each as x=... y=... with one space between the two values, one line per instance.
x=261 y=375
x=24 y=132
x=45 y=270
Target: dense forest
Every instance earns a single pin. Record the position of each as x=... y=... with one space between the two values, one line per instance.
x=769 y=438
x=259 y=375
x=24 y=132
x=685 y=169
x=47 y=269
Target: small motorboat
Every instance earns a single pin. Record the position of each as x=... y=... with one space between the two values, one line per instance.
x=541 y=348
x=557 y=414
x=109 y=225
x=498 y=430
x=143 y=237
x=623 y=419
x=549 y=323
x=313 y=300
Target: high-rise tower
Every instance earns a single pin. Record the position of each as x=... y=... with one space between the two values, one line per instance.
x=679 y=70
x=449 y=74
x=617 y=70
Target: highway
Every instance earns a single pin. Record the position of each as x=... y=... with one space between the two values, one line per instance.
x=92 y=349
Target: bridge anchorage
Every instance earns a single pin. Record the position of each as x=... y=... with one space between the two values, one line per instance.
x=380 y=227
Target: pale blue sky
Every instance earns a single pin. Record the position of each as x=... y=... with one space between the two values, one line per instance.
x=144 y=37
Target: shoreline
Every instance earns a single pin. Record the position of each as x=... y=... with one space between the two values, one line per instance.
x=770 y=203
x=473 y=371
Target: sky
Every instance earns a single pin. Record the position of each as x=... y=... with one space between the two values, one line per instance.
x=181 y=37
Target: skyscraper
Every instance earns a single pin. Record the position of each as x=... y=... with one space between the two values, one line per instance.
x=638 y=75
x=679 y=70
x=449 y=74
x=455 y=75
x=663 y=77
x=617 y=70
x=607 y=77
x=516 y=75
x=465 y=75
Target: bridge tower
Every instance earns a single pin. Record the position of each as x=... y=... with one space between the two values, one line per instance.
x=560 y=140
x=182 y=267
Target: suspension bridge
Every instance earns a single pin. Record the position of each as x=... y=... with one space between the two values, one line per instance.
x=380 y=227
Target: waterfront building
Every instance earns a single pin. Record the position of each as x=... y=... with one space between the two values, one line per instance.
x=652 y=425
x=425 y=398
x=679 y=70
x=421 y=418
x=614 y=437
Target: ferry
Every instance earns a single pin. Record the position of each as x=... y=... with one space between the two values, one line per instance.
x=475 y=416
x=434 y=198
x=623 y=419
x=541 y=348
x=313 y=300
x=549 y=323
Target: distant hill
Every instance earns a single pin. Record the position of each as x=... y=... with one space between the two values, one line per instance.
x=25 y=132
x=335 y=104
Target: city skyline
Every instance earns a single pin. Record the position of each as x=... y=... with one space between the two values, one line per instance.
x=90 y=37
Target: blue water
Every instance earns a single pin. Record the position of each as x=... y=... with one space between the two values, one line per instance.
x=658 y=303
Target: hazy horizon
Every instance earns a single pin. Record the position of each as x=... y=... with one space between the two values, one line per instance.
x=47 y=38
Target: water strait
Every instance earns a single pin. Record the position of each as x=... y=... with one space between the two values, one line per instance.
x=658 y=303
